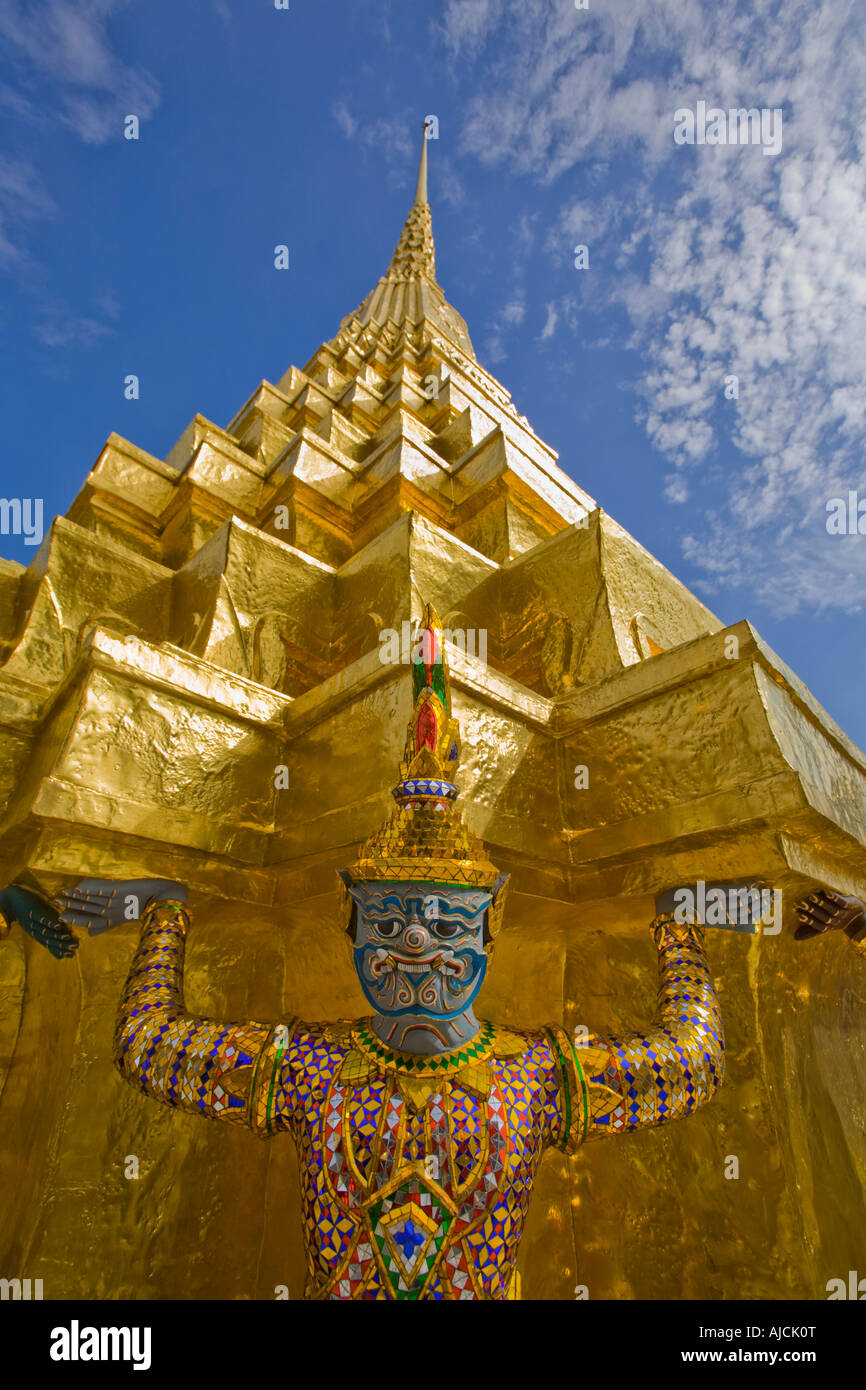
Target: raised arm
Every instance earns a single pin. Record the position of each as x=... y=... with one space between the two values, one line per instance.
x=226 y=1071
x=647 y=1078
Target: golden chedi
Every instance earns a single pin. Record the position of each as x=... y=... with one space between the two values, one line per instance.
x=193 y=689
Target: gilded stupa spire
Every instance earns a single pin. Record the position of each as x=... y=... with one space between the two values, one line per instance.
x=408 y=292
x=415 y=256
x=421 y=185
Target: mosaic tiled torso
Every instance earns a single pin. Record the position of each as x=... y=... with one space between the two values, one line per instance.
x=416 y=1183
x=417 y=1172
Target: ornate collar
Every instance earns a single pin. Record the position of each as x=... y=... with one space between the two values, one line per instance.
x=413 y=1063
x=419 y=1078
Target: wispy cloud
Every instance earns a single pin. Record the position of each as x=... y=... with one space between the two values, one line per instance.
x=23 y=199
x=514 y=312
x=64 y=329
x=582 y=221
x=467 y=24
x=345 y=120
x=59 y=326
x=68 y=42
x=11 y=99
x=396 y=138
x=727 y=263
x=63 y=68
x=550 y=322
x=449 y=186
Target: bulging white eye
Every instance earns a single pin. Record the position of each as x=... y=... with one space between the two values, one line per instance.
x=445 y=929
x=388 y=929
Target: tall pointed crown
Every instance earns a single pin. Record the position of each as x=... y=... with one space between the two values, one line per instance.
x=425 y=839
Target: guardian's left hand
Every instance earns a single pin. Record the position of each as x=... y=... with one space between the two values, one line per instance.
x=828 y=911
x=98 y=904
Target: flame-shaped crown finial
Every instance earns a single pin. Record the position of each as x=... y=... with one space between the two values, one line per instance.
x=425 y=839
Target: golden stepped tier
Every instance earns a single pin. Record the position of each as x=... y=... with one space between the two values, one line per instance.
x=198 y=626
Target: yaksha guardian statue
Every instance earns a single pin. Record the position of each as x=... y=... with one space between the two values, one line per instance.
x=420 y=1129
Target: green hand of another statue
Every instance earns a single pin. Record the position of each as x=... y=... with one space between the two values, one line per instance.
x=39 y=918
x=94 y=904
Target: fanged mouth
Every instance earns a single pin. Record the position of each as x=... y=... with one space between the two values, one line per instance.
x=412 y=967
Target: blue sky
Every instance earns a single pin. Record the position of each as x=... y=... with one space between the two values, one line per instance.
x=556 y=126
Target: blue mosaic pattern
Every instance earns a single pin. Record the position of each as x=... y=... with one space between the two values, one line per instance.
x=677 y=1064
x=374 y=1167
x=190 y=1063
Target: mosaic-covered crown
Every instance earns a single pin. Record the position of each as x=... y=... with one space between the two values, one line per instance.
x=425 y=840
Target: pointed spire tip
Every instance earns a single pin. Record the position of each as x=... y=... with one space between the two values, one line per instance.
x=421 y=187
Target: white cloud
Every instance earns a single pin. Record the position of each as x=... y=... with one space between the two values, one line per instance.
x=510 y=316
x=344 y=118
x=447 y=185
x=62 y=66
x=68 y=42
x=676 y=488
x=494 y=349
x=581 y=222
x=60 y=326
x=550 y=321
x=23 y=198
x=467 y=22
x=396 y=138
x=514 y=312
x=756 y=265
x=64 y=329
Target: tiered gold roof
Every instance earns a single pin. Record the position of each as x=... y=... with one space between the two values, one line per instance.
x=197 y=621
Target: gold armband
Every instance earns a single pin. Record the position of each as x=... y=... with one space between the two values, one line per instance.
x=573 y=1090
x=690 y=932
x=176 y=913
x=266 y=1076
